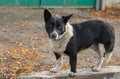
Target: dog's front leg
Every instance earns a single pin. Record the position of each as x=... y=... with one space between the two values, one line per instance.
x=59 y=63
x=73 y=61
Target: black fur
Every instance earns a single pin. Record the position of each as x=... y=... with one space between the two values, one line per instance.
x=85 y=34
x=55 y=23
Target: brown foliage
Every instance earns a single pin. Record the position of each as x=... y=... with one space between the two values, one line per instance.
x=18 y=60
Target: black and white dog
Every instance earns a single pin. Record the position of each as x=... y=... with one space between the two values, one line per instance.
x=69 y=39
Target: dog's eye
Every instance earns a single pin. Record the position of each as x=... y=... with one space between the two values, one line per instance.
x=51 y=25
x=59 y=27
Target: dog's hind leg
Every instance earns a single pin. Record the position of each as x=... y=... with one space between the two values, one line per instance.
x=108 y=48
x=59 y=63
x=108 y=56
x=101 y=58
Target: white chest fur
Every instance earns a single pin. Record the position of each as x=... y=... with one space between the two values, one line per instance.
x=59 y=46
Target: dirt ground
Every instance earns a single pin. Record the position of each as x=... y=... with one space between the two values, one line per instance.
x=24 y=45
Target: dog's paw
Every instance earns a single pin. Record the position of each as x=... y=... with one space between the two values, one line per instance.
x=95 y=68
x=72 y=74
x=54 y=70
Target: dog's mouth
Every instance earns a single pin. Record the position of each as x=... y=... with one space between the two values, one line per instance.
x=54 y=36
x=57 y=37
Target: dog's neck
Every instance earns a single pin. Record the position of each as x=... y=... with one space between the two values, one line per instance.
x=60 y=44
x=68 y=32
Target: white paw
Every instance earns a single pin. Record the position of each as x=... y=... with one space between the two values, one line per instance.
x=54 y=70
x=95 y=68
x=72 y=74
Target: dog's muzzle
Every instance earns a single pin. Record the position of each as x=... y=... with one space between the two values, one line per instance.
x=54 y=35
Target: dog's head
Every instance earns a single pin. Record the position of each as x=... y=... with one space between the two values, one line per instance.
x=55 y=25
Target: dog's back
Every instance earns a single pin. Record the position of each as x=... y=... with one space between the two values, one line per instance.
x=94 y=31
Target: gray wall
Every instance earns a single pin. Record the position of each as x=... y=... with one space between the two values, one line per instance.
x=111 y=3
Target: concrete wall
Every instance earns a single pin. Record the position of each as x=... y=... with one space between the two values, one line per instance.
x=112 y=3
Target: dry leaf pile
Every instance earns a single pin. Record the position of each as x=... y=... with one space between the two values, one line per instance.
x=109 y=13
x=18 y=60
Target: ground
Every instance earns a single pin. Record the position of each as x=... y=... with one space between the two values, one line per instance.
x=24 y=45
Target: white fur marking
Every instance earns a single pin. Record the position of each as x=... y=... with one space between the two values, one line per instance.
x=100 y=60
x=59 y=45
x=99 y=64
x=72 y=74
x=108 y=57
x=55 y=33
x=58 y=66
x=58 y=16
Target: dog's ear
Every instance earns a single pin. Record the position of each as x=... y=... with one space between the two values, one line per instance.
x=47 y=15
x=66 y=18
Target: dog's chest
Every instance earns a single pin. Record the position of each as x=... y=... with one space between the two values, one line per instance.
x=60 y=45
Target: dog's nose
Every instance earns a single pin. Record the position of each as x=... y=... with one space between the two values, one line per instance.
x=53 y=35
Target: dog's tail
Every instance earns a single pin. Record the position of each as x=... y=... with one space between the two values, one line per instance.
x=109 y=53
x=111 y=47
x=112 y=41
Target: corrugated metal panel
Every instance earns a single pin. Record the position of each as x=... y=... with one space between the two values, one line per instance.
x=47 y=2
x=68 y=2
x=52 y=2
x=80 y=2
x=20 y=2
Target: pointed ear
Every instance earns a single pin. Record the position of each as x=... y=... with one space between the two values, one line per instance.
x=66 y=18
x=47 y=15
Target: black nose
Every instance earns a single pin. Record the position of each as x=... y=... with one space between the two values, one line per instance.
x=53 y=35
